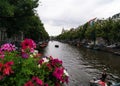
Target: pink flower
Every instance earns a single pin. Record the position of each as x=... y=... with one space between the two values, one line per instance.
x=2 y=55
x=41 y=61
x=9 y=63
x=8 y=47
x=28 y=44
x=7 y=70
x=49 y=66
x=56 y=62
x=25 y=55
x=29 y=83
x=38 y=81
x=58 y=73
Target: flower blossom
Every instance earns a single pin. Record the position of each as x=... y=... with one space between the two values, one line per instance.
x=49 y=69
x=7 y=68
x=43 y=60
x=66 y=73
x=61 y=74
x=58 y=73
x=35 y=82
x=38 y=81
x=28 y=44
x=49 y=66
x=8 y=47
x=25 y=55
x=56 y=62
x=9 y=63
x=29 y=83
x=35 y=54
x=1 y=54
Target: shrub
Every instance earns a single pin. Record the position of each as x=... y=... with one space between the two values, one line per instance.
x=28 y=68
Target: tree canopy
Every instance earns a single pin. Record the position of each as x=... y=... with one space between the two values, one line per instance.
x=108 y=29
x=20 y=15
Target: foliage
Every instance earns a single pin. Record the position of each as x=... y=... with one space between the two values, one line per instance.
x=108 y=29
x=28 y=68
x=20 y=15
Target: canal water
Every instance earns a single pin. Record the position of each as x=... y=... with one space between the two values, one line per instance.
x=83 y=64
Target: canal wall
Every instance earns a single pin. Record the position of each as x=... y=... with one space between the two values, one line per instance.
x=113 y=50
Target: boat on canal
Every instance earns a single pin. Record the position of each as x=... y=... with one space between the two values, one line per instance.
x=56 y=46
x=98 y=82
x=42 y=44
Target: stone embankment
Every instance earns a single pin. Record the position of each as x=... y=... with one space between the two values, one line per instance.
x=115 y=50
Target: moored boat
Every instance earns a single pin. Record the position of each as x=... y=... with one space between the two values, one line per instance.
x=42 y=45
x=56 y=45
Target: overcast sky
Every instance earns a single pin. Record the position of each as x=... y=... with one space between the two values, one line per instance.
x=58 y=14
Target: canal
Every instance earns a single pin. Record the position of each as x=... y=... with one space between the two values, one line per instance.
x=82 y=64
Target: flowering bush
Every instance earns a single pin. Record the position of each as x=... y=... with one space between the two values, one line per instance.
x=27 y=68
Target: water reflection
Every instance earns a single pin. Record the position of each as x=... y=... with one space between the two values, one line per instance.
x=83 y=64
x=100 y=60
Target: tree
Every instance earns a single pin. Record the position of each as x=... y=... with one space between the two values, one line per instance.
x=20 y=15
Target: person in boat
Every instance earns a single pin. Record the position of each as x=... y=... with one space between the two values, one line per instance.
x=104 y=75
x=101 y=81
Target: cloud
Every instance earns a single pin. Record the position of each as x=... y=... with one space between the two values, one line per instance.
x=53 y=30
x=72 y=13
